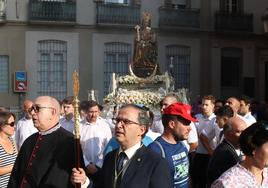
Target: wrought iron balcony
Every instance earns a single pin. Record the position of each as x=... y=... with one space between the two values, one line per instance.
x=117 y=14
x=225 y=21
x=171 y=17
x=52 y=12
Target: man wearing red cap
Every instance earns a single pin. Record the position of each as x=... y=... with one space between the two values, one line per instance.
x=176 y=119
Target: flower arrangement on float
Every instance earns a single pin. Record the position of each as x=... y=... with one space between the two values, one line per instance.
x=124 y=96
x=149 y=91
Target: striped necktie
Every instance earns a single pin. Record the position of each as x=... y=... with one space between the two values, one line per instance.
x=120 y=162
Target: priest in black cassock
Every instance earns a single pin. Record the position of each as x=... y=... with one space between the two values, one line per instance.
x=46 y=158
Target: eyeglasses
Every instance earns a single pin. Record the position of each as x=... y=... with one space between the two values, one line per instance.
x=11 y=124
x=124 y=121
x=37 y=108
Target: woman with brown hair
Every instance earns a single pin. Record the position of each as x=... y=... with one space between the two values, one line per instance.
x=8 y=151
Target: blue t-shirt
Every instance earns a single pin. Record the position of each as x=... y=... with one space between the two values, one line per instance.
x=177 y=157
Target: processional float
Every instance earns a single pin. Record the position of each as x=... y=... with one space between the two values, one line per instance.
x=145 y=84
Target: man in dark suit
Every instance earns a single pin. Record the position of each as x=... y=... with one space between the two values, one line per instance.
x=140 y=167
x=226 y=154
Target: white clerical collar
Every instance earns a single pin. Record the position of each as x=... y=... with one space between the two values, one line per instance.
x=51 y=130
x=131 y=151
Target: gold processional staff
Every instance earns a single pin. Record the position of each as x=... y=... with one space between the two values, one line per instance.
x=76 y=122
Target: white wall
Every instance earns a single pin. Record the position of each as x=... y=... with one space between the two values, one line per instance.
x=86 y=12
x=17 y=10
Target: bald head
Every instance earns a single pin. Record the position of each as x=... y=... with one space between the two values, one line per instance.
x=50 y=101
x=233 y=129
x=48 y=114
x=236 y=122
x=234 y=103
x=27 y=104
x=168 y=100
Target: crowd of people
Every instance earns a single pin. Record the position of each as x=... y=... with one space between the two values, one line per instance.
x=212 y=143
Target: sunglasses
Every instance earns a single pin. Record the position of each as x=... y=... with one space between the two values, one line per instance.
x=36 y=108
x=11 y=124
x=124 y=121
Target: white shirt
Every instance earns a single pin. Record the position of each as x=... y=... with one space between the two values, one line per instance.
x=212 y=132
x=193 y=137
x=152 y=135
x=23 y=130
x=249 y=119
x=94 y=138
x=206 y=127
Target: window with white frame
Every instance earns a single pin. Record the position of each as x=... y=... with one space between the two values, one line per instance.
x=4 y=81
x=178 y=63
x=117 y=57
x=52 y=68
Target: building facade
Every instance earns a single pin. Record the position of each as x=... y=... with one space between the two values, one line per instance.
x=210 y=46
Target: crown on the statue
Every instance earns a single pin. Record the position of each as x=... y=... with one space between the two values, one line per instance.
x=146 y=16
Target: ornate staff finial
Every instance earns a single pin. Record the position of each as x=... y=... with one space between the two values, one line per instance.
x=75 y=84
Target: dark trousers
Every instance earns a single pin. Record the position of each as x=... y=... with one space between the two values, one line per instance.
x=199 y=170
